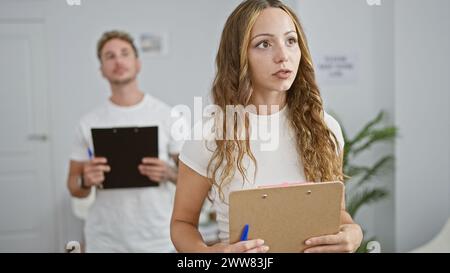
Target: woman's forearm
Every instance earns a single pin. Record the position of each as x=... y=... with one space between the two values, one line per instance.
x=186 y=237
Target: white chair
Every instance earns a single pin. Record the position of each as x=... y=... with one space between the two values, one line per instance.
x=73 y=247
x=81 y=206
x=373 y=247
x=440 y=243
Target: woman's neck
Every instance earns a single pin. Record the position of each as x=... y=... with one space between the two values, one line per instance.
x=268 y=103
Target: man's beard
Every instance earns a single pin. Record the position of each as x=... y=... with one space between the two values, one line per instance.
x=123 y=81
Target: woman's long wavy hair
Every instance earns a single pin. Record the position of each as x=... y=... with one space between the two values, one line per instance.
x=317 y=146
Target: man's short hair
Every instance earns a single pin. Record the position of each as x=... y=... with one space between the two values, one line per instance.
x=115 y=34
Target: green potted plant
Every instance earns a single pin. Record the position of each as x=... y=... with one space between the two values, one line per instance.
x=361 y=189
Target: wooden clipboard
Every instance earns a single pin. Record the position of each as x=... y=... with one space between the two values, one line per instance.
x=285 y=217
x=124 y=149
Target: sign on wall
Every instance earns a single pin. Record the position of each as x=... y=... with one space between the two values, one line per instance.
x=153 y=44
x=336 y=68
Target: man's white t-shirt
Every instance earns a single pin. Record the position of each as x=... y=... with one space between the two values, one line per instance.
x=274 y=148
x=135 y=219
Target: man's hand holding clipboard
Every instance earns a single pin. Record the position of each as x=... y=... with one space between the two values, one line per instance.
x=94 y=171
x=157 y=170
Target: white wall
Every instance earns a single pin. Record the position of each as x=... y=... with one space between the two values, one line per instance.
x=402 y=48
x=351 y=27
x=422 y=109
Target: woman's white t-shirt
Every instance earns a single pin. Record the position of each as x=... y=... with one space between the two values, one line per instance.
x=274 y=148
x=137 y=219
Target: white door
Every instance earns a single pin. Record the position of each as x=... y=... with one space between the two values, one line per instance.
x=27 y=212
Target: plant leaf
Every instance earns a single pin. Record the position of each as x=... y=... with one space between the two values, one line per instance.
x=379 y=165
x=355 y=170
x=375 y=136
x=363 y=133
x=366 y=197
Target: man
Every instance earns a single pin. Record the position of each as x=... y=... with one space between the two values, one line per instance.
x=133 y=219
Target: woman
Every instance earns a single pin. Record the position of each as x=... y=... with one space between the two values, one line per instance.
x=263 y=60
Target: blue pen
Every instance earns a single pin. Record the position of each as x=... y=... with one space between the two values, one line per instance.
x=244 y=235
x=90 y=153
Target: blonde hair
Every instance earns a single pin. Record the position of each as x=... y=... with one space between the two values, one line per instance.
x=115 y=34
x=316 y=145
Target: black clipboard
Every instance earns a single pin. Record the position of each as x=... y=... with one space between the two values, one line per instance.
x=124 y=149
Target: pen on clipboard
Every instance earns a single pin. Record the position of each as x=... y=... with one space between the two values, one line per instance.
x=91 y=156
x=90 y=153
x=244 y=235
